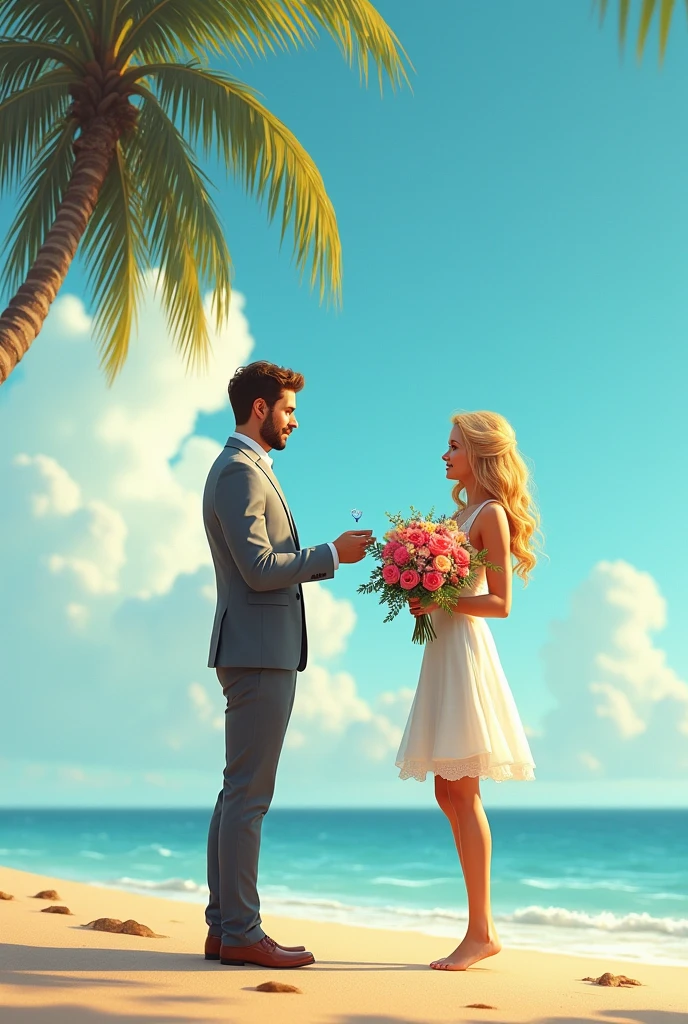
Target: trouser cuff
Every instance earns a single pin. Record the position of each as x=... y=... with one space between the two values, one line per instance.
x=249 y=939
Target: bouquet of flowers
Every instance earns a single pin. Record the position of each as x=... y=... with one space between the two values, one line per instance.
x=426 y=558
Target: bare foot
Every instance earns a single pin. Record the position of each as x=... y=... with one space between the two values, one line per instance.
x=467 y=953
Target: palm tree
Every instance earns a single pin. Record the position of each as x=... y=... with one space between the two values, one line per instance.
x=649 y=8
x=102 y=106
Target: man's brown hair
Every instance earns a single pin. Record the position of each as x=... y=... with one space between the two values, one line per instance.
x=260 y=380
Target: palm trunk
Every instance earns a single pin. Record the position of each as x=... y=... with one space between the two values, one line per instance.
x=24 y=317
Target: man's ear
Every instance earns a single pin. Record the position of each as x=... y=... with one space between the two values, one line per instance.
x=260 y=408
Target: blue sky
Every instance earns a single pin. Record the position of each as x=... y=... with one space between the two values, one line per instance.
x=514 y=237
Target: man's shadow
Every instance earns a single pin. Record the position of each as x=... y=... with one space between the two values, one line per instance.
x=24 y=964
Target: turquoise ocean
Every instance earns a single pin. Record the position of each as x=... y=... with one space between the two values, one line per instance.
x=603 y=882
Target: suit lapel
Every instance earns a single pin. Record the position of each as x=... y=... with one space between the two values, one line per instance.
x=275 y=483
x=265 y=469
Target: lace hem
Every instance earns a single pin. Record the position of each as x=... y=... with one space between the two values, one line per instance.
x=472 y=767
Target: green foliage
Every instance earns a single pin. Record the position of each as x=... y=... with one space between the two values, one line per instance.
x=648 y=10
x=156 y=207
x=39 y=199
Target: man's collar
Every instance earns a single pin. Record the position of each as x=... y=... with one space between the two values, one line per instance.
x=253 y=445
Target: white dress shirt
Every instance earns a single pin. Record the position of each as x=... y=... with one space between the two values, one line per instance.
x=266 y=458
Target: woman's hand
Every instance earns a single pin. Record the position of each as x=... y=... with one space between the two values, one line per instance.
x=416 y=609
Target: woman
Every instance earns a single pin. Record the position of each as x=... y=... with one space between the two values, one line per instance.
x=463 y=725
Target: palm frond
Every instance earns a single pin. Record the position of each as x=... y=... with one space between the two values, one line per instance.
x=164 y=29
x=185 y=237
x=26 y=117
x=226 y=117
x=361 y=33
x=59 y=21
x=648 y=10
x=22 y=61
x=665 y=13
x=106 y=16
x=40 y=198
x=114 y=251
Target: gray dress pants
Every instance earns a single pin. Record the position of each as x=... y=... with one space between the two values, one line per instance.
x=259 y=704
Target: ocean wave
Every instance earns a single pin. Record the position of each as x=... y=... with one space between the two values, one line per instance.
x=579 y=883
x=409 y=883
x=20 y=851
x=162 y=851
x=167 y=885
x=633 y=936
x=606 y=921
x=553 y=917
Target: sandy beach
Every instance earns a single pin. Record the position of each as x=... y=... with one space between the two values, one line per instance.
x=54 y=971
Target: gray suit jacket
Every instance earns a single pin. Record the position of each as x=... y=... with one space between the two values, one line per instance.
x=260 y=619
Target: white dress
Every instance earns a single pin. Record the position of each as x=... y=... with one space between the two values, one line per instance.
x=464 y=721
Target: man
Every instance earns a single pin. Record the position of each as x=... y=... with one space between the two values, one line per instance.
x=258 y=645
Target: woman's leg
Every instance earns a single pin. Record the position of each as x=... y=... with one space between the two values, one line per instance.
x=474 y=842
x=442 y=797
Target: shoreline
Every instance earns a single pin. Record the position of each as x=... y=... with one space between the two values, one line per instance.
x=535 y=928
x=66 y=973
x=386 y=918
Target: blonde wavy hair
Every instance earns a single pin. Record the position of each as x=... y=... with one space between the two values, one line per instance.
x=501 y=471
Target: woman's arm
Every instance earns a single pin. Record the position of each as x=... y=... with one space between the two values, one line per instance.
x=491 y=533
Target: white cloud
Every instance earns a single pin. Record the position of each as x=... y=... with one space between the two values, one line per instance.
x=328 y=708
x=330 y=622
x=204 y=706
x=622 y=710
x=70 y=316
x=589 y=761
x=78 y=614
x=104 y=493
x=329 y=700
x=295 y=739
x=62 y=495
x=99 y=553
x=121 y=465
x=618 y=707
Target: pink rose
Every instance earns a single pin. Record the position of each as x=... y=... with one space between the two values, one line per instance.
x=461 y=557
x=433 y=580
x=439 y=544
x=416 y=536
x=463 y=571
x=390 y=574
x=401 y=555
x=409 y=579
x=442 y=563
x=389 y=549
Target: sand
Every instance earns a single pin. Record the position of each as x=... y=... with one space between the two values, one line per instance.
x=54 y=971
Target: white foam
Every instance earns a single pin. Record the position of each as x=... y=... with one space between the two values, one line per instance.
x=167 y=885
x=578 y=883
x=409 y=883
x=637 y=937
x=559 y=917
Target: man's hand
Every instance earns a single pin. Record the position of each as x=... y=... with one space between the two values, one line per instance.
x=352 y=545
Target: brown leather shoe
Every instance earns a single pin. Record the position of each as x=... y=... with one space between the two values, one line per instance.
x=265 y=953
x=214 y=942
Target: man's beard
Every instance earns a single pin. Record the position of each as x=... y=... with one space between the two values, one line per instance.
x=271 y=435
